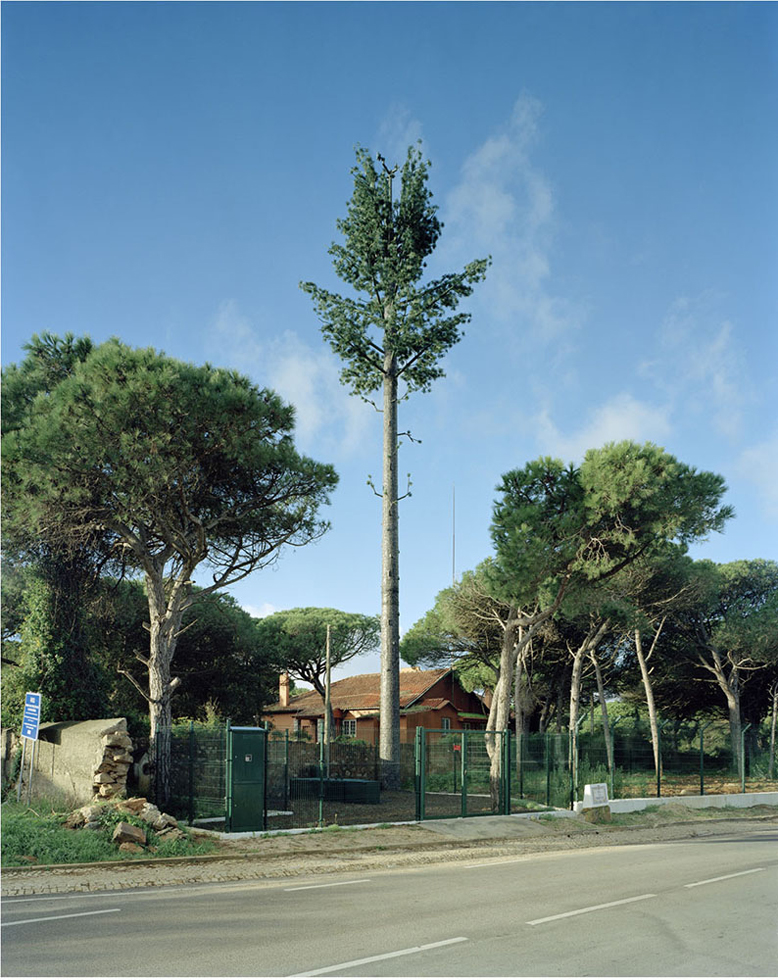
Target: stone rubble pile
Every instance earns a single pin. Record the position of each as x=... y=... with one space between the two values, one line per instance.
x=110 y=778
x=130 y=838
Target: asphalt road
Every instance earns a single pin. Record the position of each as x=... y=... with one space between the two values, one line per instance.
x=694 y=908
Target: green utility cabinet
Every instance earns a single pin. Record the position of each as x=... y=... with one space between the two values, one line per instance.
x=246 y=769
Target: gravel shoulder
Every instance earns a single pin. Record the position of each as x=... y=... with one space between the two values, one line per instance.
x=344 y=850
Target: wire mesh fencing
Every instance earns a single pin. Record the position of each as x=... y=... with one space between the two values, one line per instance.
x=459 y=773
x=196 y=776
x=313 y=785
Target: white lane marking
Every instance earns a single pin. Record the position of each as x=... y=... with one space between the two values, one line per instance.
x=383 y=956
x=590 y=908
x=50 y=918
x=737 y=874
x=332 y=884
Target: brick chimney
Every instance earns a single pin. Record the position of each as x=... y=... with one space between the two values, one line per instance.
x=283 y=690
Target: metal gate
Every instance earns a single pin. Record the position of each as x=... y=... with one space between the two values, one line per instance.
x=461 y=773
x=246 y=773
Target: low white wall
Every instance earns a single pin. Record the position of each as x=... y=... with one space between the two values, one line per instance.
x=740 y=800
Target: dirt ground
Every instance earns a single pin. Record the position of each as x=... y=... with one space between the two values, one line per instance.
x=348 y=850
x=670 y=821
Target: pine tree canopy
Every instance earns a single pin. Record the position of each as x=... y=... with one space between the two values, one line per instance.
x=399 y=324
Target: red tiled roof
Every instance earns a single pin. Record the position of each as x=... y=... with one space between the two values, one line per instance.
x=362 y=693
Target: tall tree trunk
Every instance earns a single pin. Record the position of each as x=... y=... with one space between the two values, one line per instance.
x=729 y=682
x=165 y=614
x=590 y=643
x=606 y=732
x=389 y=717
x=645 y=673
x=735 y=724
x=520 y=716
x=771 y=766
x=499 y=711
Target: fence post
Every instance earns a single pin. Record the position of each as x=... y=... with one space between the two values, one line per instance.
x=464 y=774
x=702 y=758
x=191 y=773
x=743 y=757
x=321 y=783
x=227 y=776
x=21 y=772
x=520 y=762
x=613 y=753
x=547 y=738
x=286 y=769
x=506 y=754
x=659 y=731
x=417 y=771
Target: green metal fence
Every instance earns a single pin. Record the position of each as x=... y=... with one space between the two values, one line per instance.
x=461 y=773
x=198 y=773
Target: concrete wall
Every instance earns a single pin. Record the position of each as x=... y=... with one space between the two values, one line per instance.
x=741 y=800
x=71 y=759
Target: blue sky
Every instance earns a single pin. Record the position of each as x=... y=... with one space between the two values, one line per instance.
x=171 y=171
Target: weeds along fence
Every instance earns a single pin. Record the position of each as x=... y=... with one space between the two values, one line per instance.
x=451 y=774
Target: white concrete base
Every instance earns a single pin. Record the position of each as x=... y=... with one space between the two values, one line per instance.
x=739 y=800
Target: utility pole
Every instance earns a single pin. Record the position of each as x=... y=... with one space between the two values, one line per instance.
x=453 y=534
x=327 y=703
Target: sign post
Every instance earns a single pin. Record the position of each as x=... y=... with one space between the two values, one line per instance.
x=30 y=724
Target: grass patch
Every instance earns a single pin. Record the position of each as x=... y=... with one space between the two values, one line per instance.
x=35 y=836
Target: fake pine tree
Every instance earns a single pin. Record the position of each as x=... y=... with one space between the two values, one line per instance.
x=395 y=330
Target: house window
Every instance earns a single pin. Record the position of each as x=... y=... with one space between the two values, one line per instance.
x=296 y=726
x=445 y=724
x=349 y=727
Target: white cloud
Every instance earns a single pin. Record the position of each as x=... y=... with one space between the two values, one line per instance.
x=398 y=131
x=328 y=418
x=700 y=365
x=759 y=464
x=259 y=612
x=504 y=206
x=621 y=417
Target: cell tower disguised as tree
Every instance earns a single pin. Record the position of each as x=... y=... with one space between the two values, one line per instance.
x=397 y=329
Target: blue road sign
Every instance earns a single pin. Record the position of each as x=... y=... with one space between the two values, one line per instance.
x=32 y=715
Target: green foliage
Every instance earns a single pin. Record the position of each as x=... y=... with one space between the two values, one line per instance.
x=48 y=585
x=555 y=524
x=225 y=669
x=174 y=466
x=295 y=640
x=386 y=244
x=464 y=625
x=349 y=740
x=131 y=436
x=742 y=608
